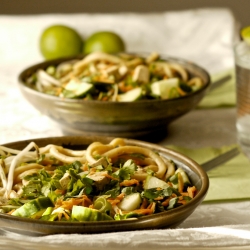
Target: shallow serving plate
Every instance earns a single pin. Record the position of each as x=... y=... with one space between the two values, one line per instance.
x=167 y=219
x=123 y=119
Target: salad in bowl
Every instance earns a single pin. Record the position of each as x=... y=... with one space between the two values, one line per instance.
x=117 y=78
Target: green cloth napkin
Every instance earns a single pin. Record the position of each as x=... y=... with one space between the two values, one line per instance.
x=228 y=182
x=222 y=96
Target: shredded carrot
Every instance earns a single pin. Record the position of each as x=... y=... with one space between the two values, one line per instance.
x=144 y=203
x=68 y=204
x=180 y=183
x=120 y=196
x=85 y=167
x=58 y=202
x=159 y=198
x=110 y=177
x=127 y=183
x=191 y=191
x=182 y=202
x=123 y=87
x=170 y=184
x=151 y=205
x=149 y=210
x=86 y=202
x=65 y=215
x=166 y=202
x=105 y=98
x=10 y=212
x=116 y=200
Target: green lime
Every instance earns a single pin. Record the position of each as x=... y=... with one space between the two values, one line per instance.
x=60 y=41
x=105 y=41
x=245 y=34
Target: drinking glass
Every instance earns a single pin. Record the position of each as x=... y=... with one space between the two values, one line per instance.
x=242 y=64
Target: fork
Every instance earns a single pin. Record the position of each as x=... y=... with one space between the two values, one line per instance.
x=220 y=82
x=215 y=162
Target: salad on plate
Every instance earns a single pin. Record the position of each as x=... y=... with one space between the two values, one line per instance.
x=111 y=181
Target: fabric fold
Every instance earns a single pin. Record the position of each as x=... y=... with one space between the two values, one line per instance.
x=193 y=238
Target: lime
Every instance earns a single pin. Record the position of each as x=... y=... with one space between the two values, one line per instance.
x=245 y=34
x=60 y=41
x=105 y=41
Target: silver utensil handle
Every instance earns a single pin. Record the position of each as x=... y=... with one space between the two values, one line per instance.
x=217 y=161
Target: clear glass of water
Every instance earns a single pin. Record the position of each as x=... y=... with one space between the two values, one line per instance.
x=242 y=64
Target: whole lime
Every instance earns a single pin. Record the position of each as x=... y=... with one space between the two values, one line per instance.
x=60 y=41
x=105 y=41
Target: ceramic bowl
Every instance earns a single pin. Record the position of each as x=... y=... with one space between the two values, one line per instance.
x=166 y=219
x=124 y=119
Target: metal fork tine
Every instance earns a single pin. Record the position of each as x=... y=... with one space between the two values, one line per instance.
x=220 y=159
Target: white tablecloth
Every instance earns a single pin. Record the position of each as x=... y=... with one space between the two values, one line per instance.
x=204 y=36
